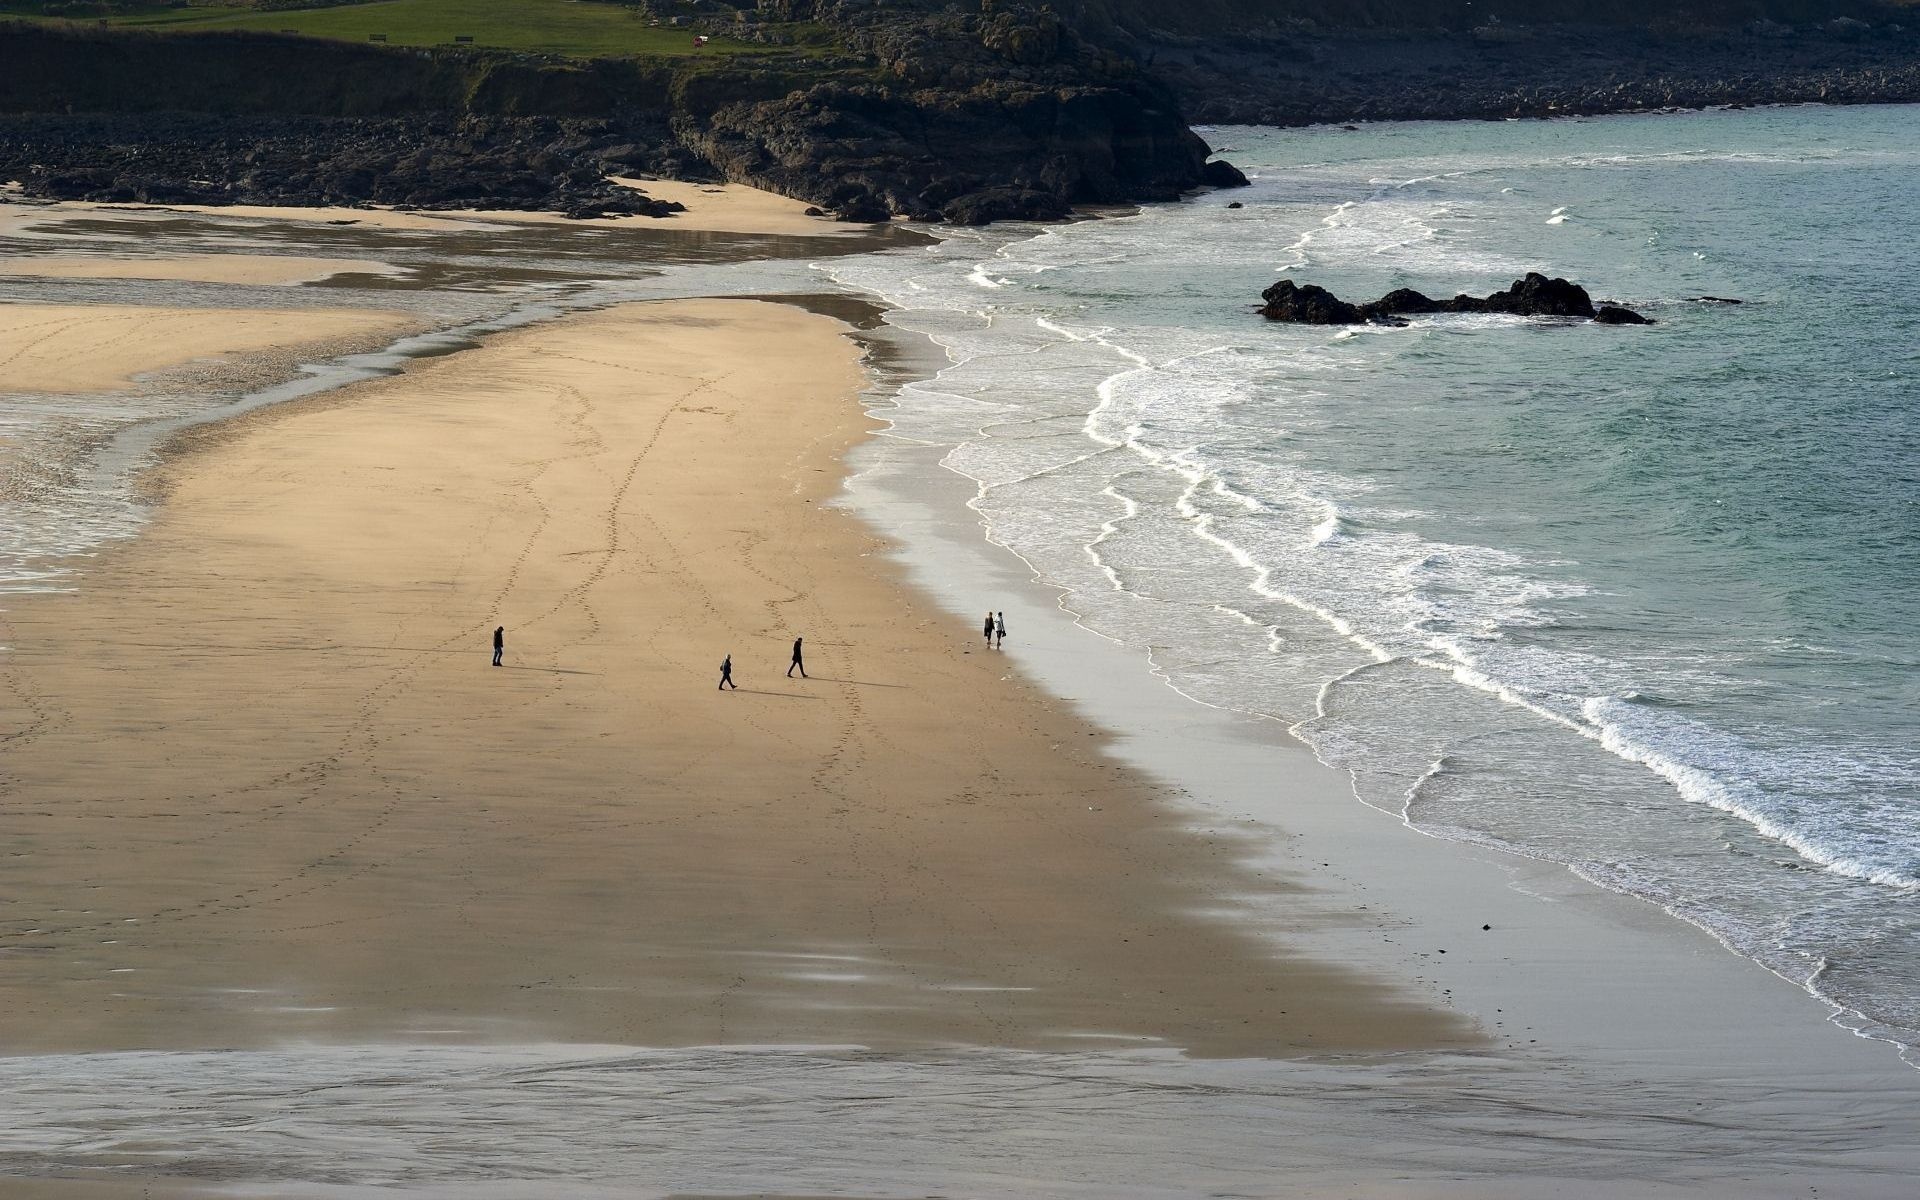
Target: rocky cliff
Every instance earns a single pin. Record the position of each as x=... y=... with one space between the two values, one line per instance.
x=1284 y=62
x=957 y=110
x=937 y=115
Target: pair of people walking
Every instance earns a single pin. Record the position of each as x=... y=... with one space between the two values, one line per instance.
x=995 y=629
x=799 y=664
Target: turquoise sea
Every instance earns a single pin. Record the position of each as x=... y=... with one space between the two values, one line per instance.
x=1638 y=600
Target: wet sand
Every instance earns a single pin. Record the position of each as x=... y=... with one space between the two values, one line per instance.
x=194 y=268
x=62 y=348
x=261 y=783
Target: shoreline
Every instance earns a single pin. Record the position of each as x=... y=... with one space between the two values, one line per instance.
x=1712 y=1056
x=1623 y=1043
x=1347 y=1017
x=898 y=485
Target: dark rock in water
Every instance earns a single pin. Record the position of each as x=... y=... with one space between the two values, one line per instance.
x=1222 y=174
x=1717 y=300
x=813 y=211
x=1309 y=305
x=1402 y=301
x=1236 y=204
x=1534 y=296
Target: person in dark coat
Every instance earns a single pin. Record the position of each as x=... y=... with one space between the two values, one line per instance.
x=499 y=643
x=796 y=660
x=726 y=674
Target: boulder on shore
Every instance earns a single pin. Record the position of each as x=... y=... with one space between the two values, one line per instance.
x=1533 y=296
x=1222 y=174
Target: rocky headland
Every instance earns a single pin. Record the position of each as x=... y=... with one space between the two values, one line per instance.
x=1534 y=296
x=965 y=111
x=936 y=114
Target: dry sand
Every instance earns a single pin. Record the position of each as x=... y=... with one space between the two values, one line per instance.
x=260 y=782
x=74 y=348
x=736 y=208
x=197 y=268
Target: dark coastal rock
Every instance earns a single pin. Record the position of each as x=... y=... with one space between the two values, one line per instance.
x=1001 y=204
x=1716 y=300
x=995 y=151
x=1402 y=301
x=961 y=110
x=424 y=163
x=1536 y=295
x=1406 y=63
x=862 y=209
x=1222 y=174
x=925 y=110
x=1236 y=204
x=1309 y=305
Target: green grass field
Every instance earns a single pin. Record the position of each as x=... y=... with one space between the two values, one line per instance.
x=570 y=27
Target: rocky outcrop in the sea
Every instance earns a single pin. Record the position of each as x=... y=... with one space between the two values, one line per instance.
x=1308 y=304
x=1536 y=295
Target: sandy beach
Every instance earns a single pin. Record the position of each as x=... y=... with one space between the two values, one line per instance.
x=325 y=816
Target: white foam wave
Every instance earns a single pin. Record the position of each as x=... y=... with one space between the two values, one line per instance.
x=1613 y=728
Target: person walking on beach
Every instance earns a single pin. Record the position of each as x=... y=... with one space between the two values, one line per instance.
x=499 y=642
x=999 y=629
x=796 y=660
x=726 y=674
x=989 y=630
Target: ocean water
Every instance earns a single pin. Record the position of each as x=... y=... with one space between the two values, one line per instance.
x=1637 y=600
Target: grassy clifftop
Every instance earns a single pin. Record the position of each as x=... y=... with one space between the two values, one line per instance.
x=590 y=29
